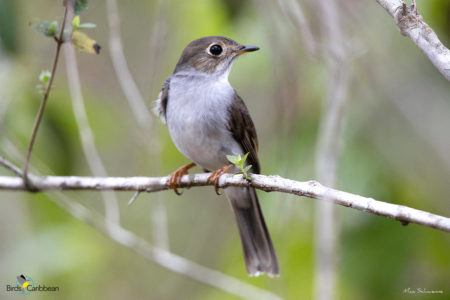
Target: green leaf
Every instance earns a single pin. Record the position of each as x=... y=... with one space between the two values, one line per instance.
x=232 y=159
x=45 y=76
x=245 y=157
x=76 y=21
x=247 y=168
x=80 y=6
x=76 y=24
x=86 y=25
x=47 y=28
x=53 y=28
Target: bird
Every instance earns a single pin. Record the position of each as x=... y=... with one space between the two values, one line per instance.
x=207 y=120
x=23 y=281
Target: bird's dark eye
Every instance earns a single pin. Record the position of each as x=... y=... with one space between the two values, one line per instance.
x=215 y=49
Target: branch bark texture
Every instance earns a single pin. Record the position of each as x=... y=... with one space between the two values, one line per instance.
x=311 y=189
x=412 y=25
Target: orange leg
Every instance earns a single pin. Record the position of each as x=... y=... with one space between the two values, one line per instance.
x=215 y=176
x=175 y=177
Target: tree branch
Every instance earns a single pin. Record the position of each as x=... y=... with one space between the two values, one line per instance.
x=11 y=167
x=311 y=189
x=293 y=13
x=149 y=251
x=328 y=147
x=126 y=81
x=59 y=42
x=161 y=256
x=411 y=24
x=86 y=134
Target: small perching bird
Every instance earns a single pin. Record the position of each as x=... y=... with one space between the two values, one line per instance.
x=207 y=121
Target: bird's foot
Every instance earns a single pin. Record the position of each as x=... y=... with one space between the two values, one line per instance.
x=215 y=176
x=175 y=177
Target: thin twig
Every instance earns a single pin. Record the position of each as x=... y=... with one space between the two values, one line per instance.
x=59 y=42
x=311 y=189
x=142 y=115
x=87 y=137
x=328 y=149
x=134 y=197
x=293 y=12
x=123 y=73
x=11 y=167
x=110 y=200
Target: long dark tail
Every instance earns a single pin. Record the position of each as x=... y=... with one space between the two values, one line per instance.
x=259 y=253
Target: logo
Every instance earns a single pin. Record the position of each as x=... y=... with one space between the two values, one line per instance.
x=25 y=285
x=421 y=291
x=24 y=282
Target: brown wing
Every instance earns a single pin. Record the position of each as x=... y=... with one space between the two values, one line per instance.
x=244 y=132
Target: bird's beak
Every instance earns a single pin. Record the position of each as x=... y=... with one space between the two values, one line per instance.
x=247 y=48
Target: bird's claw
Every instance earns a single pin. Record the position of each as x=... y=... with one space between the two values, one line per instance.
x=175 y=177
x=215 y=176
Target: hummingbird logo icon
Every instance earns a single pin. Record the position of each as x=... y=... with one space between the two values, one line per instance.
x=23 y=282
x=25 y=285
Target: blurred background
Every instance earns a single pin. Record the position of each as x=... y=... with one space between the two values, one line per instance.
x=395 y=147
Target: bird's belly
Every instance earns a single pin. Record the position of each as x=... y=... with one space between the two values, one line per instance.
x=197 y=115
x=203 y=141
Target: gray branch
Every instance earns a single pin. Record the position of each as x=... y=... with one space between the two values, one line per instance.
x=412 y=25
x=142 y=115
x=161 y=256
x=84 y=128
x=328 y=147
x=311 y=189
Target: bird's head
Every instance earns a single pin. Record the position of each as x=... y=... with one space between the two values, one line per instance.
x=211 y=54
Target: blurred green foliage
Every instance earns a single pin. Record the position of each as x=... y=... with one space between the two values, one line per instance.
x=395 y=148
x=47 y=28
x=438 y=17
x=80 y=6
x=8 y=26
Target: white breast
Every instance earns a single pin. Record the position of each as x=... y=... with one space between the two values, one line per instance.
x=197 y=116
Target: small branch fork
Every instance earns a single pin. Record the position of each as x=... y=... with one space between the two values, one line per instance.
x=59 y=41
x=311 y=189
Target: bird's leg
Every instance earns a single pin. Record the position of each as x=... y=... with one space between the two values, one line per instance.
x=215 y=176
x=175 y=177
